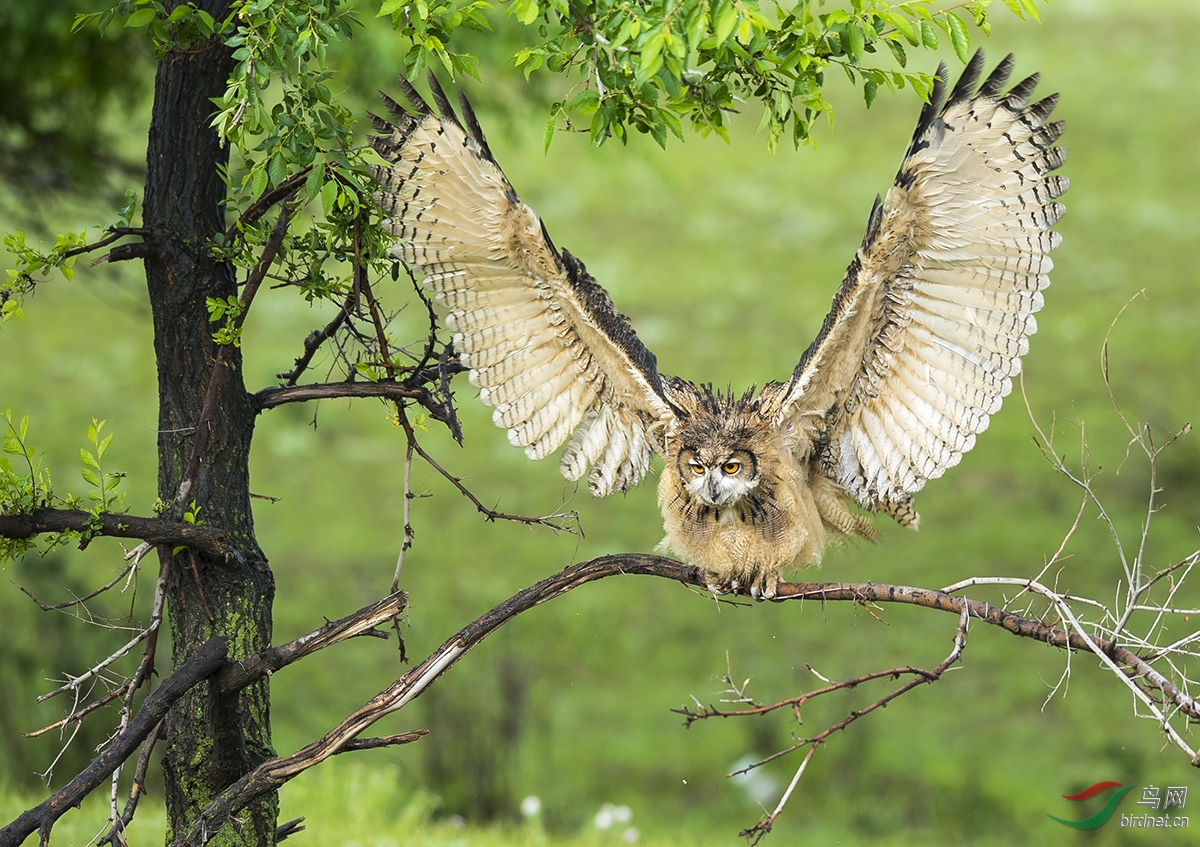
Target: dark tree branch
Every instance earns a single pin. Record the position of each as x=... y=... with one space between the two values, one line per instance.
x=921 y=677
x=207 y=539
x=313 y=342
x=280 y=194
x=356 y=744
x=996 y=616
x=115 y=233
x=41 y=818
x=272 y=774
x=136 y=250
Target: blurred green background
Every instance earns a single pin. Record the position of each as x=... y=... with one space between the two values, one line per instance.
x=726 y=258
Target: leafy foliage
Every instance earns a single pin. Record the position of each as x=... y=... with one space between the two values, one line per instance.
x=647 y=66
x=26 y=484
x=30 y=261
x=106 y=497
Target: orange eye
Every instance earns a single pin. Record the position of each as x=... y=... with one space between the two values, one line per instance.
x=696 y=467
x=731 y=467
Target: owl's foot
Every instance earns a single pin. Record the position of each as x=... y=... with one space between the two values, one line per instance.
x=764 y=586
x=718 y=586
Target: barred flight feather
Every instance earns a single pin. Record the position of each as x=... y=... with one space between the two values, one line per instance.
x=938 y=306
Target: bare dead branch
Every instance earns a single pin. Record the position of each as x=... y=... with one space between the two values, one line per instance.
x=66 y=604
x=756 y=832
x=794 y=703
x=136 y=791
x=290 y=828
x=270 y=398
x=363 y=622
x=76 y=682
x=79 y=714
x=384 y=741
x=207 y=659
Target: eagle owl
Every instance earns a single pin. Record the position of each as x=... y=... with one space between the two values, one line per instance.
x=919 y=349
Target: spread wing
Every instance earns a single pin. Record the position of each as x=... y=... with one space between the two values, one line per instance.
x=541 y=338
x=934 y=313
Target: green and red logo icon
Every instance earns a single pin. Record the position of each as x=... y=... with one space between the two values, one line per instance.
x=1101 y=817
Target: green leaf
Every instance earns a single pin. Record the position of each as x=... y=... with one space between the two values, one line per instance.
x=329 y=195
x=586 y=101
x=724 y=20
x=88 y=459
x=599 y=126
x=142 y=17
x=527 y=11
x=315 y=181
x=929 y=36
x=651 y=58
x=959 y=37
x=870 y=88
x=258 y=182
x=672 y=123
x=547 y=135
x=104 y=444
x=858 y=42
x=902 y=24
x=278 y=169
x=90 y=477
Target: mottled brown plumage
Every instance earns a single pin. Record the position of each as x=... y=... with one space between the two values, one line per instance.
x=925 y=334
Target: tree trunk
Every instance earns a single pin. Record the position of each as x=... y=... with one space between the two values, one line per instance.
x=211 y=740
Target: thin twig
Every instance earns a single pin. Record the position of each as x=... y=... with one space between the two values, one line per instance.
x=554 y=521
x=41 y=818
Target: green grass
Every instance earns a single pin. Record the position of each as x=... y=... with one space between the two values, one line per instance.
x=726 y=258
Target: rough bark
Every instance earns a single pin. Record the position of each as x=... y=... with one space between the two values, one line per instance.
x=206 y=421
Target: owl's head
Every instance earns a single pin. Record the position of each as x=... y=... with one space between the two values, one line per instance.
x=721 y=445
x=717 y=476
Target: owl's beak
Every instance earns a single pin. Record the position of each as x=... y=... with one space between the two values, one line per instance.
x=714 y=495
